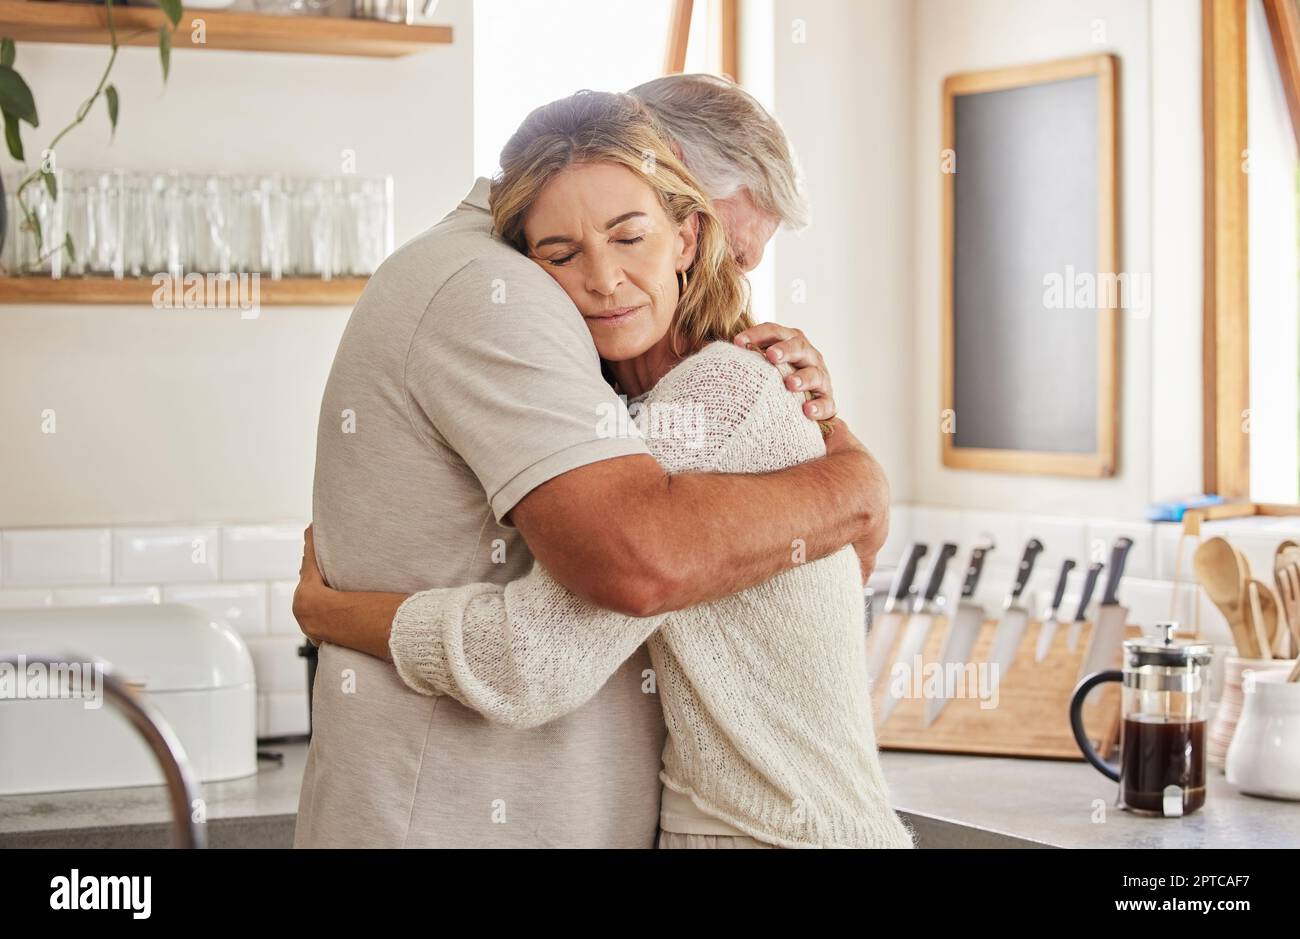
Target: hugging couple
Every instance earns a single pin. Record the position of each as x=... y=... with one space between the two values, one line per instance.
x=533 y=632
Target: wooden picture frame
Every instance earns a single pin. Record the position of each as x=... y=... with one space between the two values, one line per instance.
x=1101 y=462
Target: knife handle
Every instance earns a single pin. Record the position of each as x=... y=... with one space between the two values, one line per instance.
x=973 y=570
x=906 y=573
x=938 y=568
x=1059 y=595
x=1118 y=555
x=1089 y=584
x=1032 y=550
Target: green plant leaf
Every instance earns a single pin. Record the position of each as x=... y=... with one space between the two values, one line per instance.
x=110 y=95
x=173 y=10
x=16 y=97
x=165 y=49
x=51 y=183
x=67 y=246
x=12 y=138
x=7 y=52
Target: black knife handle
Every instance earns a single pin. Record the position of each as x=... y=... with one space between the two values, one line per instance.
x=1066 y=567
x=938 y=567
x=906 y=573
x=973 y=570
x=1032 y=551
x=1118 y=555
x=1089 y=585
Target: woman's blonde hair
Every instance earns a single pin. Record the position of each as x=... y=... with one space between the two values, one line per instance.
x=602 y=127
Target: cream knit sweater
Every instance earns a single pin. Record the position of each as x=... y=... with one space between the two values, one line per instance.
x=765 y=693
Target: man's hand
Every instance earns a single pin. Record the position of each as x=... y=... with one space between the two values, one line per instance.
x=842 y=439
x=784 y=344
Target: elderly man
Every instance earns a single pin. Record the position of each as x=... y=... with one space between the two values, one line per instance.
x=459 y=439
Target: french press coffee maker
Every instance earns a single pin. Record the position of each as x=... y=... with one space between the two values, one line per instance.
x=1162 y=739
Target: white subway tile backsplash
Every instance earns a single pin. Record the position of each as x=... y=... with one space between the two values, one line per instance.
x=900 y=532
x=1165 y=547
x=19 y=599
x=1003 y=528
x=282 y=621
x=933 y=525
x=1103 y=533
x=56 y=557
x=165 y=555
x=261 y=552
x=277 y=663
x=1061 y=538
x=241 y=606
x=286 y=714
x=1152 y=601
x=1213 y=624
x=101 y=596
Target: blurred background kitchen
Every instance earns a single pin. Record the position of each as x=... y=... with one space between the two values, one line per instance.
x=161 y=452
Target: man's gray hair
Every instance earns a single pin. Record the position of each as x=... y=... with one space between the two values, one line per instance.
x=728 y=140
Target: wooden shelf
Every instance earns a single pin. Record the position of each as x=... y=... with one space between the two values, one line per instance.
x=297 y=291
x=44 y=21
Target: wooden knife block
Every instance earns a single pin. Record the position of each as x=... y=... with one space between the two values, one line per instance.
x=1032 y=717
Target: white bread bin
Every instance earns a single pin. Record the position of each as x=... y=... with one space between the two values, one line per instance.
x=196 y=673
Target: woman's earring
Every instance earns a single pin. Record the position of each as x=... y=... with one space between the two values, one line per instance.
x=682 y=280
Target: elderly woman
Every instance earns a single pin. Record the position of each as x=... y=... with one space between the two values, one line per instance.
x=765 y=693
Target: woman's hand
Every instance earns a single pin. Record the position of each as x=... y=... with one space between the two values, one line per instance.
x=357 y=620
x=784 y=344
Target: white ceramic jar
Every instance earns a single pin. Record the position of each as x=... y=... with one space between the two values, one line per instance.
x=1264 y=756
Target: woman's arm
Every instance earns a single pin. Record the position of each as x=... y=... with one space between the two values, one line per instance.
x=523 y=654
x=352 y=619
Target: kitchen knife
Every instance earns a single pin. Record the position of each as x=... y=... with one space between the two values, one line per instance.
x=1015 y=617
x=1085 y=598
x=1052 y=620
x=881 y=639
x=1112 y=618
x=965 y=627
x=928 y=605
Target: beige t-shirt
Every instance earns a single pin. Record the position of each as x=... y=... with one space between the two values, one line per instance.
x=465 y=379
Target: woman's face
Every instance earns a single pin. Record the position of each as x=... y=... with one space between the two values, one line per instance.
x=599 y=230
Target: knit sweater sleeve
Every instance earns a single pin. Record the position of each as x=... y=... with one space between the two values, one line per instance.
x=521 y=654
x=530 y=651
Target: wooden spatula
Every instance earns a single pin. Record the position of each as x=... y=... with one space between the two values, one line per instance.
x=1263 y=613
x=1287 y=576
x=1220 y=574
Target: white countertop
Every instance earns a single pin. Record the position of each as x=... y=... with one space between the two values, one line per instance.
x=951 y=800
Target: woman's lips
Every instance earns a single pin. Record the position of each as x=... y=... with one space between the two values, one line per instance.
x=615 y=317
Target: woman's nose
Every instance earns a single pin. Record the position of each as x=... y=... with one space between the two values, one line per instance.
x=603 y=275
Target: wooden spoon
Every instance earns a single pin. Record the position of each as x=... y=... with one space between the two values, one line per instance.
x=1263 y=607
x=1288 y=588
x=1219 y=572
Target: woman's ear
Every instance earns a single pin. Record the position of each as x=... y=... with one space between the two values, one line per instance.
x=688 y=241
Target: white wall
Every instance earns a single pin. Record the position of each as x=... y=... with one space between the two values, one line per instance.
x=1177 y=178
x=957 y=36
x=171 y=415
x=844 y=98
x=861 y=102
x=1273 y=255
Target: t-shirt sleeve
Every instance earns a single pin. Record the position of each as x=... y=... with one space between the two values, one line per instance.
x=504 y=369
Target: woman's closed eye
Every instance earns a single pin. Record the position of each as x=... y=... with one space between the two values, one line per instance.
x=562 y=260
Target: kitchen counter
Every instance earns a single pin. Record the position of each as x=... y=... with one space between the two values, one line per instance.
x=951 y=801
